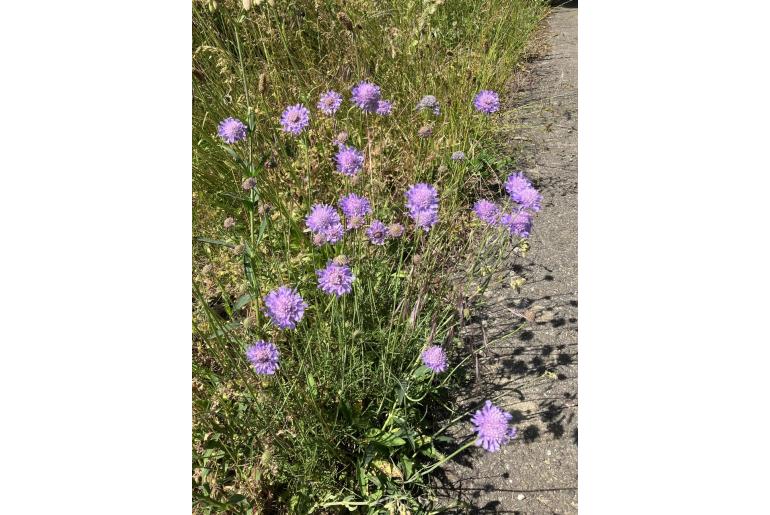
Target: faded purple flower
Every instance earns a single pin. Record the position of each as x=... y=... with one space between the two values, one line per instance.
x=384 y=107
x=458 y=156
x=487 y=211
x=429 y=102
x=263 y=356
x=249 y=183
x=295 y=118
x=329 y=102
x=349 y=160
x=434 y=358
x=335 y=279
x=395 y=230
x=491 y=426
x=515 y=183
x=426 y=218
x=231 y=130
x=421 y=196
x=377 y=232
x=487 y=101
x=340 y=138
x=229 y=222
x=285 y=307
x=426 y=131
x=518 y=223
x=528 y=198
x=366 y=96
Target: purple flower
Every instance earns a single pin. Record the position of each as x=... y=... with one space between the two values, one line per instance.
x=421 y=196
x=434 y=358
x=429 y=102
x=395 y=230
x=333 y=233
x=518 y=223
x=487 y=101
x=515 y=183
x=321 y=217
x=231 y=130
x=458 y=156
x=295 y=118
x=487 y=211
x=491 y=426
x=329 y=102
x=377 y=232
x=349 y=160
x=426 y=218
x=355 y=205
x=263 y=357
x=366 y=96
x=528 y=198
x=384 y=107
x=285 y=307
x=335 y=279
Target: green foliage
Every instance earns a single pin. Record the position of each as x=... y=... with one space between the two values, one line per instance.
x=349 y=421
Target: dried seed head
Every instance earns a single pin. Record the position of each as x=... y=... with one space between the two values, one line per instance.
x=345 y=20
x=262 y=84
x=206 y=269
x=416 y=259
x=425 y=131
x=319 y=239
x=341 y=138
x=263 y=208
x=229 y=222
x=238 y=249
x=442 y=169
x=342 y=259
x=248 y=322
x=249 y=183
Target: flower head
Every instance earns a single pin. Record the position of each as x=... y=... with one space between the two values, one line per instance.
x=229 y=222
x=285 y=307
x=491 y=426
x=384 y=107
x=321 y=217
x=518 y=223
x=421 y=196
x=528 y=198
x=487 y=101
x=515 y=183
x=231 y=130
x=349 y=160
x=295 y=118
x=395 y=230
x=429 y=102
x=335 y=279
x=366 y=96
x=458 y=156
x=340 y=138
x=425 y=219
x=355 y=205
x=434 y=358
x=487 y=211
x=249 y=183
x=333 y=233
x=377 y=232
x=329 y=102
x=426 y=131
x=263 y=356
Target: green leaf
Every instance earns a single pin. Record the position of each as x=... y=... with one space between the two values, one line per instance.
x=242 y=301
x=215 y=242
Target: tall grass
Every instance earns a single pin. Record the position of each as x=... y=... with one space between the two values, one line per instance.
x=350 y=421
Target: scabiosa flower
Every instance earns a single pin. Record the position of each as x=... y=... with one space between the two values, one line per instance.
x=528 y=198
x=487 y=211
x=429 y=102
x=231 y=130
x=515 y=183
x=434 y=358
x=263 y=357
x=229 y=222
x=329 y=102
x=285 y=307
x=458 y=156
x=333 y=233
x=487 y=101
x=321 y=217
x=421 y=196
x=349 y=160
x=384 y=107
x=335 y=279
x=426 y=218
x=295 y=118
x=366 y=96
x=377 y=232
x=395 y=230
x=355 y=205
x=518 y=223
x=249 y=183
x=491 y=426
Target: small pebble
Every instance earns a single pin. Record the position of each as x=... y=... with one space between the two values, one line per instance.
x=520 y=497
